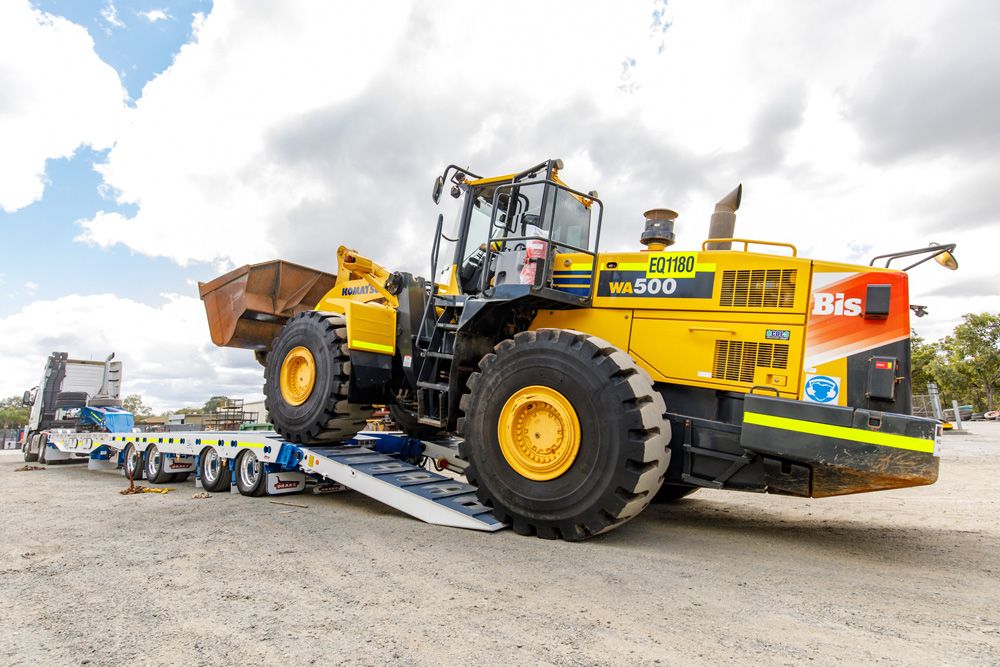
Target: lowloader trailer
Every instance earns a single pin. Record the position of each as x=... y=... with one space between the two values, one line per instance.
x=384 y=466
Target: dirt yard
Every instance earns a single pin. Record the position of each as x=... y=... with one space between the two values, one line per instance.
x=88 y=576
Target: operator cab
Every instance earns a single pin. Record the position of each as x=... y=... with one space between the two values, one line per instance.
x=511 y=228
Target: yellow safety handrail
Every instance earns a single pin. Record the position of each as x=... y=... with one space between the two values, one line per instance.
x=746 y=244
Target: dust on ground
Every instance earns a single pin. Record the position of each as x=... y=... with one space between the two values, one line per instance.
x=88 y=576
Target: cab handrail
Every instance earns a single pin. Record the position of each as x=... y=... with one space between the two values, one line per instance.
x=746 y=244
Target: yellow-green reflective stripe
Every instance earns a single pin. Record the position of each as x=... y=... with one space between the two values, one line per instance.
x=374 y=347
x=255 y=445
x=841 y=432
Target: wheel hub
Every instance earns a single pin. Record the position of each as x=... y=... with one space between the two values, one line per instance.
x=539 y=433
x=298 y=375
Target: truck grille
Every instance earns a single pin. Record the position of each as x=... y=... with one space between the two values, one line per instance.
x=736 y=360
x=758 y=288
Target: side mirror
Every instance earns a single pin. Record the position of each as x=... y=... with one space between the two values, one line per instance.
x=438 y=187
x=26 y=399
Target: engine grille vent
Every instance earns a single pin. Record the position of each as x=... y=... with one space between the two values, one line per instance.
x=736 y=360
x=758 y=288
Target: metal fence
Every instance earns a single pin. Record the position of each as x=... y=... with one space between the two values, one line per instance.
x=10 y=438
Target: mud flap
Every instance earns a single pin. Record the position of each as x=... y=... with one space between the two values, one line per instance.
x=849 y=450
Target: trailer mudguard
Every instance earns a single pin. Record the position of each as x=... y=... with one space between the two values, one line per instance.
x=849 y=450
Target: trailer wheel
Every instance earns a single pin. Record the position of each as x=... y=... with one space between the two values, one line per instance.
x=250 y=475
x=670 y=493
x=565 y=436
x=181 y=477
x=155 y=472
x=213 y=470
x=133 y=463
x=307 y=379
x=29 y=456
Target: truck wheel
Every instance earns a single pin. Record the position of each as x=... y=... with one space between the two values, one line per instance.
x=307 y=378
x=42 y=443
x=564 y=435
x=154 y=467
x=214 y=471
x=670 y=493
x=29 y=457
x=133 y=463
x=250 y=474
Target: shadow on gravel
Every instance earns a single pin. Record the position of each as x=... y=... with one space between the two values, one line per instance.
x=693 y=525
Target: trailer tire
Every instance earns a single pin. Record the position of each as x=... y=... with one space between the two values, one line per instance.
x=213 y=471
x=153 y=462
x=671 y=493
x=133 y=463
x=181 y=477
x=312 y=407
x=585 y=391
x=251 y=477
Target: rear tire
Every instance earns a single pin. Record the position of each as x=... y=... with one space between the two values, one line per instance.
x=42 y=444
x=324 y=414
x=213 y=470
x=250 y=475
x=623 y=435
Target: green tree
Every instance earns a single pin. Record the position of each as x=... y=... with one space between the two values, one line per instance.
x=12 y=413
x=922 y=356
x=214 y=402
x=133 y=403
x=968 y=368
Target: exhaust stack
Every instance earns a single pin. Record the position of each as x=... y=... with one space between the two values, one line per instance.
x=722 y=224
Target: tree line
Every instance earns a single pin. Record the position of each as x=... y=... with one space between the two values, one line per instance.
x=965 y=365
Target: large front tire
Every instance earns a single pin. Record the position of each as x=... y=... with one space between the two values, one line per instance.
x=595 y=456
x=307 y=379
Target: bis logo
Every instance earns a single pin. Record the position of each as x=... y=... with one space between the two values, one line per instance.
x=822 y=389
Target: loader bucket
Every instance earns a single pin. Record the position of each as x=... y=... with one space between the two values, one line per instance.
x=248 y=306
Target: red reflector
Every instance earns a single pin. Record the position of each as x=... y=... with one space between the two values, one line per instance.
x=883 y=365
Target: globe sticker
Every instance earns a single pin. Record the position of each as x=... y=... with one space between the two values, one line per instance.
x=822 y=388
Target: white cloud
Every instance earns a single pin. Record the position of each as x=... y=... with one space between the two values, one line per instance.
x=31 y=287
x=287 y=132
x=154 y=15
x=55 y=95
x=167 y=354
x=110 y=14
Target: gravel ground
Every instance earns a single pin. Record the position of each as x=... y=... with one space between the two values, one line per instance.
x=88 y=576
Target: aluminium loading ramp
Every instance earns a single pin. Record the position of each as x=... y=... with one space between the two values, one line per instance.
x=355 y=464
x=412 y=489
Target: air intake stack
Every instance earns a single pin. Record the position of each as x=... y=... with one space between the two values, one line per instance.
x=659 y=231
x=723 y=222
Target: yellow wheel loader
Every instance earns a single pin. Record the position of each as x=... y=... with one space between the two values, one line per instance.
x=583 y=385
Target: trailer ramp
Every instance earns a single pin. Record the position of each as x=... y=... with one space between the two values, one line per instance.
x=416 y=491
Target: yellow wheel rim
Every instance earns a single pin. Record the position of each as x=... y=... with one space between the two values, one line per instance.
x=539 y=433
x=298 y=375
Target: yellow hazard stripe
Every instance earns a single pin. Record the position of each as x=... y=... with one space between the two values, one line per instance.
x=371 y=347
x=840 y=432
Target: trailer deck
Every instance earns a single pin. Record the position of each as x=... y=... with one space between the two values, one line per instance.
x=382 y=466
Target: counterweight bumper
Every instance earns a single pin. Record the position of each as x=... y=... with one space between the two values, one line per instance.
x=849 y=450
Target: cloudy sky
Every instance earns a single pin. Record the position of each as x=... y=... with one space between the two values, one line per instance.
x=145 y=146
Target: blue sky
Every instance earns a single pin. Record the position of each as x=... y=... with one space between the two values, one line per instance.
x=39 y=249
